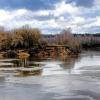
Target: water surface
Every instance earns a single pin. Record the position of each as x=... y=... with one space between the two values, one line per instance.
x=74 y=78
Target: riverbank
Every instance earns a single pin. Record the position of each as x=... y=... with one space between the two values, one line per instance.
x=47 y=51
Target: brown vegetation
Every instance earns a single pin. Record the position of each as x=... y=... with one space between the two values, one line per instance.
x=20 y=38
x=32 y=41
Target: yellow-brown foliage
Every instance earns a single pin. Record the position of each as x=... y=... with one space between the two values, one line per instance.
x=23 y=55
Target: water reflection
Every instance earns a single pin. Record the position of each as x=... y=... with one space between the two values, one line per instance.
x=84 y=86
x=37 y=67
x=86 y=61
x=28 y=73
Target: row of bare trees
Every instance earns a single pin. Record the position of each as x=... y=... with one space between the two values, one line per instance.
x=76 y=42
x=65 y=38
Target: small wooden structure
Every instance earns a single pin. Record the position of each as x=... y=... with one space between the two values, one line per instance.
x=54 y=51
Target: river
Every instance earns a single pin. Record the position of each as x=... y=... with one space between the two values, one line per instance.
x=74 y=78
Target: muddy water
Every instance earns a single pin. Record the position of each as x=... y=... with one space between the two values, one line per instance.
x=76 y=78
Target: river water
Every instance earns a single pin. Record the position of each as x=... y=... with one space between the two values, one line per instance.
x=74 y=78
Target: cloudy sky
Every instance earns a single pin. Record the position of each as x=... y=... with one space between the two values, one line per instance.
x=51 y=16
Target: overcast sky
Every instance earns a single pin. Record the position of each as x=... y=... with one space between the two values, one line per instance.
x=51 y=16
